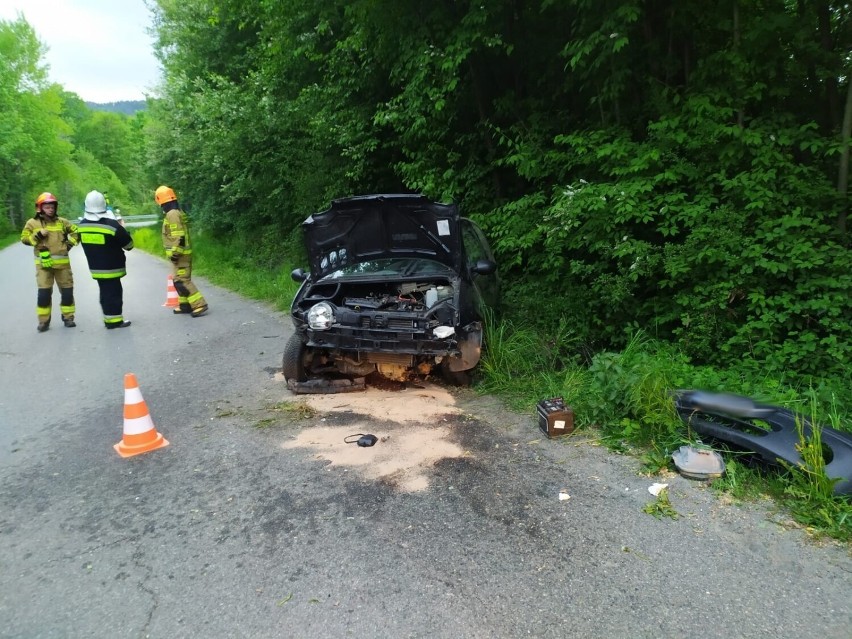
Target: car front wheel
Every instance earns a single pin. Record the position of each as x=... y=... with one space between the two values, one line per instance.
x=456 y=378
x=295 y=362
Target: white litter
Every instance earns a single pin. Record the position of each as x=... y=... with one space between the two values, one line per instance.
x=563 y=495
x=656 y=489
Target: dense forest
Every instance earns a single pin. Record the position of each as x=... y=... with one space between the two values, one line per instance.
x=675 y=166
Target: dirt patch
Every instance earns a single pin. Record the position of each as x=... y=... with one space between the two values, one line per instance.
x=403 y=456
x=423 y=405
x=410 y=424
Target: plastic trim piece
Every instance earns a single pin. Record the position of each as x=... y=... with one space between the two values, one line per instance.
x=729 y=418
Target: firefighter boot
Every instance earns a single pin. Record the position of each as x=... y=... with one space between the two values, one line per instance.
x=67 y=306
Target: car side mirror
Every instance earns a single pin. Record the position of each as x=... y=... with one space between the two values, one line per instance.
x=484 y=267
x=298 y=275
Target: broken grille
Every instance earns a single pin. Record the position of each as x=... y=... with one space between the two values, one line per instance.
x=390 y=323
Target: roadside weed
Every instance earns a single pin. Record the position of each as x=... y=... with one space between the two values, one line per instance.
x=655 y=460
x=519 y=365
x=740 y=481
x=661 y=507
x=809 y=478
x=297 y=410
x=810 y=492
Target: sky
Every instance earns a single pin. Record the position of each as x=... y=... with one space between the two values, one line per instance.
x=99 y=49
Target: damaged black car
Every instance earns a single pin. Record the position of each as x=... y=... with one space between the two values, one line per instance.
x=398 y=285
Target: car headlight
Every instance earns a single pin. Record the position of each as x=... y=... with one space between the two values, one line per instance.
x=320 y=317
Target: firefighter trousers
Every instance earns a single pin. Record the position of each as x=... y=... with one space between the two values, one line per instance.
x=112 y=300
x=64 y=279
x=189 y=297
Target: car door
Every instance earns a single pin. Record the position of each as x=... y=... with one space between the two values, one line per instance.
x=476 y=248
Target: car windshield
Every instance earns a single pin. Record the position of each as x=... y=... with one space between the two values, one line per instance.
x=391 y=267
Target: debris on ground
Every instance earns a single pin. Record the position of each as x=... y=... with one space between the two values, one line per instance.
x=656 y=489
x=698 y=463
x=364 y=441
x=327 y=386
x=775 y=434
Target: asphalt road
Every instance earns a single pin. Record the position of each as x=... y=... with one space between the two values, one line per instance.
x=225 y=533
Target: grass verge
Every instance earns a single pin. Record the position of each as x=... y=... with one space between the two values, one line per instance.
x=626 y=397
x=9 y=239
x=229 y=266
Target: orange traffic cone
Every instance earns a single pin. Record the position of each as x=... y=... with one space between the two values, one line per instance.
x=140 y=436
x=171 y=294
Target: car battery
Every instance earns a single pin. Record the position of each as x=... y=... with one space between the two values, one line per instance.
x=554 y=417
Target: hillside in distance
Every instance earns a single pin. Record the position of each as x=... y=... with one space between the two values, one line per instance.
x=127 y=107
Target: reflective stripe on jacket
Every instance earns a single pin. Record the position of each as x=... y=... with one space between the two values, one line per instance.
x=60 y=234
x=104 y=242
x=176 y=233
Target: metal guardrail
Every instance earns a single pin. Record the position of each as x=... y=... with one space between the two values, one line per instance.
x=140 y=220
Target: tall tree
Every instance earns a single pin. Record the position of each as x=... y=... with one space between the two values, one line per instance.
x=33 y=152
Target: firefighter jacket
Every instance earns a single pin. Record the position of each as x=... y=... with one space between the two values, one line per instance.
x=176 y=234
x=59 y=236
x=104 y=241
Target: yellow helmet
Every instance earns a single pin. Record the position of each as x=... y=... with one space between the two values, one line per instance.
x=46 y=198
x=164 y=194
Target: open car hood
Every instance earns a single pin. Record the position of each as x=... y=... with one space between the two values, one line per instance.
x=369 y=227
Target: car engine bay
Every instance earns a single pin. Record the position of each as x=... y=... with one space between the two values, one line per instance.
x=428 y=298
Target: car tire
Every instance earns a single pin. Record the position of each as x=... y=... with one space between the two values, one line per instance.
x=294 y=365
x=456 y=378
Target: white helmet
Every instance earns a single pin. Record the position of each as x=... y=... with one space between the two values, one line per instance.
x=95 y=202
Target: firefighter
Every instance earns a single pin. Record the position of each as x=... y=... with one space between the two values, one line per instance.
x=178 y=249
x=104 y=241
x=51 y=238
